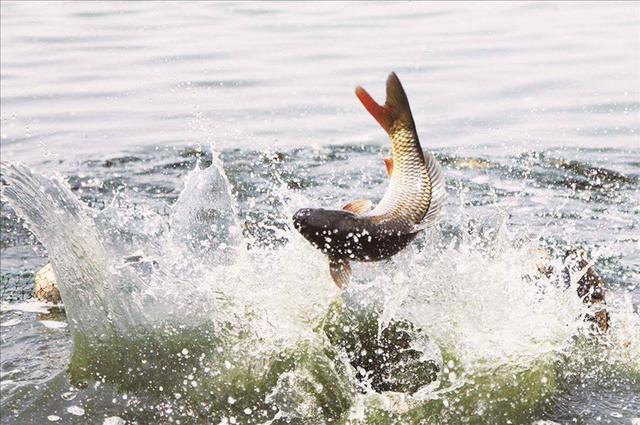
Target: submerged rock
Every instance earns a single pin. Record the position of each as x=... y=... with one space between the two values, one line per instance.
x=465 y=163
x=47 y=286
x=577 y=272
x=388 y=358
x=590 y=286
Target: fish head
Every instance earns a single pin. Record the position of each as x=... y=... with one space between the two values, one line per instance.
x=327 y=230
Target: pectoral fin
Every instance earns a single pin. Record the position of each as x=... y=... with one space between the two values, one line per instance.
x=340 y=272
x=359 y=206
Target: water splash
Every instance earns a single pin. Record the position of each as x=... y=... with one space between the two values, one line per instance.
x=187 y=312
x=77 y=254
x=204 y=219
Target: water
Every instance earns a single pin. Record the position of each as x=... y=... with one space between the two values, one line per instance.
x=188 y=296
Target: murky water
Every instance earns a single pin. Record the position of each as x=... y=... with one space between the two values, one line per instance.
x=189 y=298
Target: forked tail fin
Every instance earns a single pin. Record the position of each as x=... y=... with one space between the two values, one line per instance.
x=395 y=108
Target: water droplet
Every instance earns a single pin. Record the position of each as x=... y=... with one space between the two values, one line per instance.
x=75 y=410
x=114 y=420
x=69 y=395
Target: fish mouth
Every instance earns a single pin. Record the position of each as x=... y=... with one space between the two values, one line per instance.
x=300 y=218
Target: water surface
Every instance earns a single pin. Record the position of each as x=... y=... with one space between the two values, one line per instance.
x=531 y=108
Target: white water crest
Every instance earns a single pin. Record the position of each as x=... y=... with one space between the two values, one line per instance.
x=204 y=219
x=96 y=302
x=127 y=267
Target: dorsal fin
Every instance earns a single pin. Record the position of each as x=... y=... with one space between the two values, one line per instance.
x=396 y=107
x=359 y=206
x=388 y=162
x=340 y=271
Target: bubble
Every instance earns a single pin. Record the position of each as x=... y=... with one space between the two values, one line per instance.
x=75 y=410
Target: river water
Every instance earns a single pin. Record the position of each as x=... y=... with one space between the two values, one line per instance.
x=533 y=110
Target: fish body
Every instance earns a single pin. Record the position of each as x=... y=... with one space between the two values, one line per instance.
x=412 y=201
x=343 y=234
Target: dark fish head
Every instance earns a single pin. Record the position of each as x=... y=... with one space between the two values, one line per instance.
x=328 y=230
x=344 y=235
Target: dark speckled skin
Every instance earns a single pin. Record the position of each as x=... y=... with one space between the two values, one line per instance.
x=342 y=234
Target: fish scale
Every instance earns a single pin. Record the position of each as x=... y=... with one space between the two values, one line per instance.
x=409 y=193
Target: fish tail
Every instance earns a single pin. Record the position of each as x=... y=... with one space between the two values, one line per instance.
x=395 y=108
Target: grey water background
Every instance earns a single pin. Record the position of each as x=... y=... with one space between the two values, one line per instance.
x=120 y=96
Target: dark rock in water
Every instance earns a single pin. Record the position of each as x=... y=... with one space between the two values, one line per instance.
x=594 y=174
x=578 y=270
x=590 y=285
x=108 y=163
x=462 y=163
x=389 y=359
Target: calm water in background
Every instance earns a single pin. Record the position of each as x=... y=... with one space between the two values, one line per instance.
x=115 y=96
x=84 y=79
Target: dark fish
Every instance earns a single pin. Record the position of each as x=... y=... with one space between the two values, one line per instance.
x=413 y=199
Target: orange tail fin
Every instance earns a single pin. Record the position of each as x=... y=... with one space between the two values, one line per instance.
x=396 y=106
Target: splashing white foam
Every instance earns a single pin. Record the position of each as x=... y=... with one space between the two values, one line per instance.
x=475 y=295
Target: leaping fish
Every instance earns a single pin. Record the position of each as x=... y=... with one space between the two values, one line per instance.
x=412 y=202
